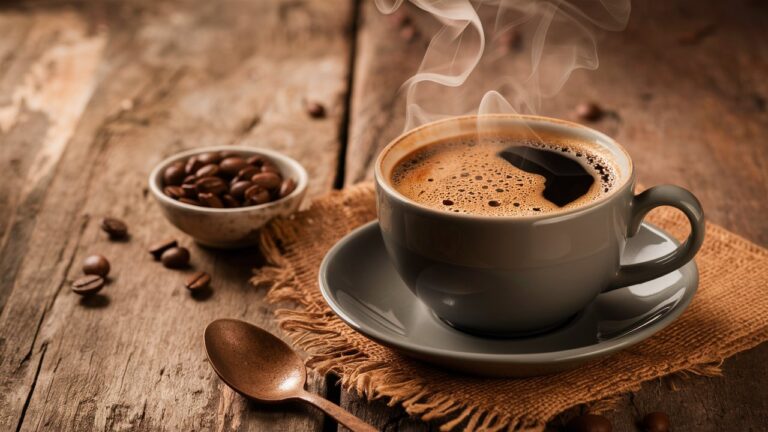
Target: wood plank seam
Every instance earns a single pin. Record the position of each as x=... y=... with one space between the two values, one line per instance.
x=338 y=182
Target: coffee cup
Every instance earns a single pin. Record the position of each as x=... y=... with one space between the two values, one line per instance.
x=524 y=271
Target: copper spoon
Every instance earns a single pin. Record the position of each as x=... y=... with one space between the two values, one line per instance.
x=260 y=366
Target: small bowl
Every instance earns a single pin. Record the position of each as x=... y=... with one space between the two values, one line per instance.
x=228 y=228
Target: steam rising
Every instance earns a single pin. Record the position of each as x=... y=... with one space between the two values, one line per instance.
x=557 y=37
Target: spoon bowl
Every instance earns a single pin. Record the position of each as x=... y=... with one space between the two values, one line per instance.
x=254 y=362
x=260 y=366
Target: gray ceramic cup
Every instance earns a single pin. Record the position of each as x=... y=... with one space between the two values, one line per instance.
x=518 y=275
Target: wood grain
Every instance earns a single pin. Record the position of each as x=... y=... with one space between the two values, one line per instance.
x=685 y=87
x=93 y=94
x=140 y=81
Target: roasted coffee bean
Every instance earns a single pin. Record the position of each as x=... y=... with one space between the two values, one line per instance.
x=246 y=173
x=88 y=285
x=238 y=189
x=232 y=165
x=210 y=200
x=96 y=265
x=408 y=33
x=229 y=153
x=174 y=192
x=655 y=422
x=116 y=228
x=157 y=249
x=315 y=110
x=270 y=168
x=589 y=111
x=221 y=180
x=189 y=201
x=175 y=257
x=209 y=158
x=256 y=195
x=589 y=423
x=198 y=281
x=193 y=164
x=174 y=174
x=287 y=187
x=190 y=190
x=212 y=185
x=267 y=180
x=209 y=170
x=229 y=201
x=256 y=160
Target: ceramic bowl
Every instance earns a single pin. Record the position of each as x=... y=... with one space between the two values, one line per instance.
x=228 y=227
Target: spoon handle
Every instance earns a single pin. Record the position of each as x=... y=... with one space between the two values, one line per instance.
x=340 y=414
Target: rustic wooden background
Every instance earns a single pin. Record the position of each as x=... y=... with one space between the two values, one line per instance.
x=93 y=94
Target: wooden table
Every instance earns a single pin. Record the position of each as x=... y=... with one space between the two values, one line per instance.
x=93 y=94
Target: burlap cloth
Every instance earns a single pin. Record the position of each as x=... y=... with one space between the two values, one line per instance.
x=728 y=314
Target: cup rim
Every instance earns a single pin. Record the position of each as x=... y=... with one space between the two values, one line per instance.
x=302 y=178
x=385 y=185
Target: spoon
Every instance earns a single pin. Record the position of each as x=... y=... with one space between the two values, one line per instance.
x=260 y=366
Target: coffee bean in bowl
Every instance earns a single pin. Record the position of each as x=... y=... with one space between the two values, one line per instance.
x=221 y=196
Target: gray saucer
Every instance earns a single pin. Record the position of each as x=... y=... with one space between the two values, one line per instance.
x=363 y=288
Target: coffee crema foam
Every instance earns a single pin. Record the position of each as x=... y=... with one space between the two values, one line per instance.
x=467 y=175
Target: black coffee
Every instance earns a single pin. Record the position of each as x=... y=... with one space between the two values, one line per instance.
x=503 y=176
x=565 y=179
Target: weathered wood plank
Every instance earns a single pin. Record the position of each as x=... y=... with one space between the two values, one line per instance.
x=169 y=76
x=689 y=105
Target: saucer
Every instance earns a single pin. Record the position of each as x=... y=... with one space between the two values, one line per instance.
x=364 y=290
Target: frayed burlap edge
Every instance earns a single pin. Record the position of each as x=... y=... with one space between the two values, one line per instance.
x=319 y=333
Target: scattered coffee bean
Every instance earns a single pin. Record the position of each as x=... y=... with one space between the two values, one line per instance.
x=400 y=19
x=221 y=180
x=174 y=192
x=589 y=111
x=210 y=200
x=589 y=423
x=287 y=187
x=655 y=422
x=510 y=40
x=157 y=249
x=408 y=33
x=232 y=165
x=198 y=281
x=96 y=265
x=267 y=180
x=175 y=257
x=315 y=110
x=209 y=158
x=209 y=170
x=174 y=174
x=116 y=228
x=88 y=285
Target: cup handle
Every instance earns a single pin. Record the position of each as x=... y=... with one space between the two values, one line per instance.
x=662 y=195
